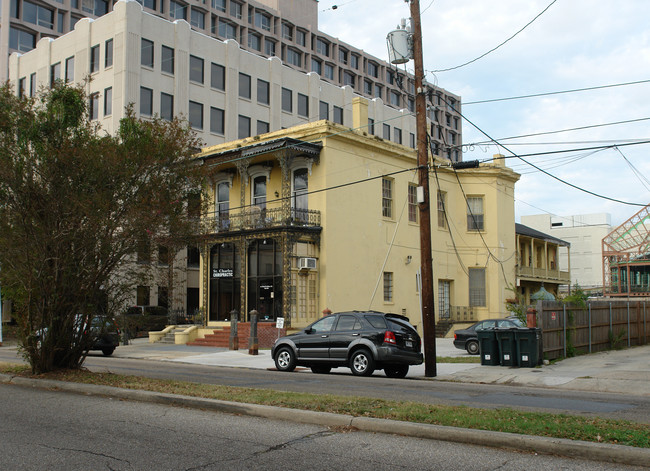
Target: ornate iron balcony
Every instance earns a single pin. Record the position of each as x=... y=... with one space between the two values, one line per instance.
x=257 y=218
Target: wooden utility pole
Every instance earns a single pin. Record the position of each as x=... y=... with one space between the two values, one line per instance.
x=427 y=299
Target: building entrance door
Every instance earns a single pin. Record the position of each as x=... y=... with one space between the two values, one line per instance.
x=265 y=279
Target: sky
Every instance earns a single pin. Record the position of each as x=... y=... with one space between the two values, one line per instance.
x=574 y=44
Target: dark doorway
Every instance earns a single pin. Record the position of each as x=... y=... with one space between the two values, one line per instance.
x=265 y=279
x=225 y=292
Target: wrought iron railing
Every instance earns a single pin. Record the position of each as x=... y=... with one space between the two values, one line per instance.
x=544 y=273
x=256 y=218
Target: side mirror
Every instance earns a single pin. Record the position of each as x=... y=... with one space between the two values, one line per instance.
x=309 y=330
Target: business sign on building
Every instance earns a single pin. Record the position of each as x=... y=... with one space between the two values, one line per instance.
x=222 y=273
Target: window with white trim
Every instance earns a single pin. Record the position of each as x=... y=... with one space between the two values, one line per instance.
x=475 y=213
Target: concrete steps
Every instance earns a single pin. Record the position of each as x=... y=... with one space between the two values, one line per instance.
x=266 y=335
x=170 y=337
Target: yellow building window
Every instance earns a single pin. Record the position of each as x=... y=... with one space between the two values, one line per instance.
x=387 y=197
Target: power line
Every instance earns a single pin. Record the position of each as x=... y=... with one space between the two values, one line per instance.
x=556 y=93
x=515 y=155
x=497 y=47
x=580 y=128
x=533 y=154
x=644 y=181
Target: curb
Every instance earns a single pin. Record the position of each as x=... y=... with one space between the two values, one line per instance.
x=603 y=452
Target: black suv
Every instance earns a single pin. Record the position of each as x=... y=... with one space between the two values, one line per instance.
x=105 y=334
x=364 y=341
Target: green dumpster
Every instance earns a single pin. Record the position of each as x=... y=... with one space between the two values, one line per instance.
x=507 y=347
x=528 y=343
x=488 y=346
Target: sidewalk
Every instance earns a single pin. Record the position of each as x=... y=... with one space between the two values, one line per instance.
x=619 y=371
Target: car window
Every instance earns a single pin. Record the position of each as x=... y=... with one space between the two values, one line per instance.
x=508 y=323
x=397 y=327
x=486 y=325
x=348 y=323
x=378 y=322
x=324 y=325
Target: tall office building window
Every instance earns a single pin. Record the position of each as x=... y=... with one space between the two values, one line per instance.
x=69 y=69
x=146 y=53
x=338 y=115
x=323 y=110
x=94 y=59
x=217 y=76
x=167 y=60
x=177 y=10
x=244 y=86
x=263 y=91
x=262 y=127
x=108 y=101
x=217 y=120
x=243 y=127
x=269 y=47
x=21 y=40
x=197 y=18
x=196 y=115
x=93 y=106
x=196 y=69
x=294 y=57
x=166 y=106
x=146 y=101
x=108 y=53
x=303 y=105
x=386 y=128
x=55 y=73
x=397 y=134
x=287 y=100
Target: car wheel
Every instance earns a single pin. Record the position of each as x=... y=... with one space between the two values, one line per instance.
x=108 y=351
x=362 y=363
x=285 y=359
x=320 y=370
x=472 y=347
x=397 y=371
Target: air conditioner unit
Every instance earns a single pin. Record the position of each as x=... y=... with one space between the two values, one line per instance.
x=306 y=263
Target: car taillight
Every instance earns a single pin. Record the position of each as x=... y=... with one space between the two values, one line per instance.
x=389 y=337
x=454 y=335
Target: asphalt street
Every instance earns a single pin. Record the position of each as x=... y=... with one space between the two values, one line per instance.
x=58 y=430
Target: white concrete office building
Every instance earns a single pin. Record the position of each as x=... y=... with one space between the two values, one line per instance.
x=285 y=29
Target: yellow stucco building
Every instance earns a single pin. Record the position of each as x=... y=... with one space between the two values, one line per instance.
x=323 y=216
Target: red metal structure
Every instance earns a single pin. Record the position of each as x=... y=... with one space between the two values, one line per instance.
x=626 y=257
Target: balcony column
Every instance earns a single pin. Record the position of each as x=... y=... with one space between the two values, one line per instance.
x=242 y=168
x=287 y=240
x=204 y=253
x=285 y=160
x=546 y=259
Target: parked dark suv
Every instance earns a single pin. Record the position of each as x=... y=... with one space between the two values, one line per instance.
x=364 y=341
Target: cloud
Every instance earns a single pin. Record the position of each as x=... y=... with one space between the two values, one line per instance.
x=574 y=44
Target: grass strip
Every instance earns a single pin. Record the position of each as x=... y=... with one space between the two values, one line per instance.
x=593 y=429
